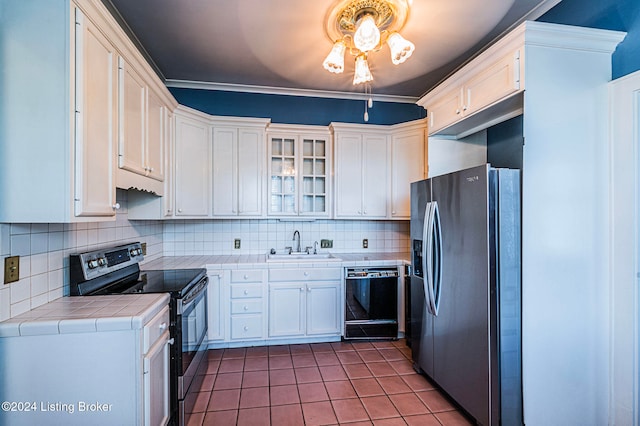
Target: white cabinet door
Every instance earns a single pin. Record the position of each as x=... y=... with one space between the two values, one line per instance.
x=349 y=175
x=156 y=383
x=250 y=154
x=287 y=310
x=192 y=167
x=95 y=132
x=224 y=171
x=375 y=176
x=131 y=118
x=407 y=165
x=157 y=115
x=215 y=308
x=446 y=110
x=497 y=81
x=323 y=308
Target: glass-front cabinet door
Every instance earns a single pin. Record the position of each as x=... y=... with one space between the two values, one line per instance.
x=299 y=175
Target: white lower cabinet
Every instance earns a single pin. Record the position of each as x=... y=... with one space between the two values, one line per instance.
x=305 y=302
x=247 y=304
x=155 y=370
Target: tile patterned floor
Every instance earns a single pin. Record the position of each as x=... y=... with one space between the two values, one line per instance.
x=358 y=383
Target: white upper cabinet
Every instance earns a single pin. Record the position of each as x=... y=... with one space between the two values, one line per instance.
x=361 y=175
x=299 y=171
x=374 y=167
x=408 y=160
x=142 y=114
x=95 y=70
x=476 y=89
x=238 y=168
x=192 y=163
x=63 y=121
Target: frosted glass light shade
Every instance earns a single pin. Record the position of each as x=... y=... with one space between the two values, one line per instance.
x=401 y=48
x=367 y=35
x=335 y=59
x=362 y=73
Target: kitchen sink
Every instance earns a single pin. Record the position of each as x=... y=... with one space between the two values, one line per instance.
x=302 y=257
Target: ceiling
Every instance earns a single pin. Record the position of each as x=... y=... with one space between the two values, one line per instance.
x=279 y=45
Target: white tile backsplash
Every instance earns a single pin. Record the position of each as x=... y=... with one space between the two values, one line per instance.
x=216 y=237
x=44 y=249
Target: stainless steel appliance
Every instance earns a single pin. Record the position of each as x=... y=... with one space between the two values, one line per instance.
x=371 y=303
x=116 y=270
x=465 y=289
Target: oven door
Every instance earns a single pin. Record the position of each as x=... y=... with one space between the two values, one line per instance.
x=192 y=323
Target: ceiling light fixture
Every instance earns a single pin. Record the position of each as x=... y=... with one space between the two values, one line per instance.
x=362 y=27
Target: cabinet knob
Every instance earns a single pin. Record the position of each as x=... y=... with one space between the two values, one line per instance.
x=246 y=308
x=301 y=288
x=365 y=212
x=163 y=326
x=179 y=210
x=246 y=292
x=464 y=108
x=246 y=277
x=309 y=289
x=116 y=206
x=246 y=328
x=306 y=274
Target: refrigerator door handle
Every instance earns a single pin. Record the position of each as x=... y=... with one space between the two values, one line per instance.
x=426 y=253
x=430 y=269
x=436 y=285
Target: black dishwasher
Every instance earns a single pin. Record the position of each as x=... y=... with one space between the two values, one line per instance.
x=371 y=303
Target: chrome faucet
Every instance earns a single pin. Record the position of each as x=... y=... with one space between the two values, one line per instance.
x=296 y=232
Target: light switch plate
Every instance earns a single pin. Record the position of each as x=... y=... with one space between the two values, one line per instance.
x=11 y=269
x=144 y=248
x=236 y=243
x=365 y=243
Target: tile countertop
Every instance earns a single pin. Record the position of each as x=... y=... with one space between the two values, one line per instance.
x=251 y=261
x=80 y=314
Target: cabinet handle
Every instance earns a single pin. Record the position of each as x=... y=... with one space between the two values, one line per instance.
x=163 y=326
x=116 y=206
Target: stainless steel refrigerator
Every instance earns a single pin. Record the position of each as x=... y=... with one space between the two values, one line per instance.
x=465 y=289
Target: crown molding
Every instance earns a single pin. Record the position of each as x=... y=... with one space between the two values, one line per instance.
x=268 y=90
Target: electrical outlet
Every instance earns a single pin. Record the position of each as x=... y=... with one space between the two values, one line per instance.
x=144 y=249
x=365 y=243
x=236 y=243
x=326 y=243
x=11 y=269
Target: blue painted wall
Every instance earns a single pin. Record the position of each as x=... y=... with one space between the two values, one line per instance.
x=619 y=15
x=295 y=109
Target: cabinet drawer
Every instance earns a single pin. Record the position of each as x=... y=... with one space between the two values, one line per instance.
x=246 y=276
x=154 y=328
x=243 y=291
x=246 y=327
x=305 y=274
x=246 y=306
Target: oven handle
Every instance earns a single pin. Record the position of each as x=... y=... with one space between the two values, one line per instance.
x=194 y=293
